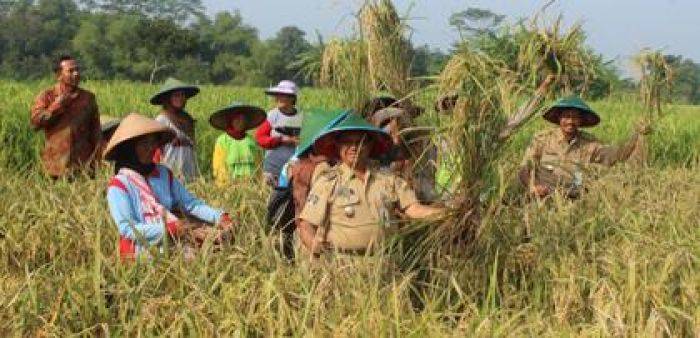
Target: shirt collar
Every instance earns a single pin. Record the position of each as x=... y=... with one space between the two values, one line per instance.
x=573 y=141
x=346 y=173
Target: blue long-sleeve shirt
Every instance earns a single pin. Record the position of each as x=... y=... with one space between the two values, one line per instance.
x=125 y=206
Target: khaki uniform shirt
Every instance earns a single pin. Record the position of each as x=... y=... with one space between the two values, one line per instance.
x=352 y=213
x=557 y=161
x=72 y=133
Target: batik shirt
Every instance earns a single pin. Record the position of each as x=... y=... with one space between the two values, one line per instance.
x=72 y=132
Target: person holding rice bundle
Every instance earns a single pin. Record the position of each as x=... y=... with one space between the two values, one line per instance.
x=146 y=202
x=557 y=159
x=178 y=154
x=308 y=162
x=279 y=134
x=352 y=207
x=235 y=152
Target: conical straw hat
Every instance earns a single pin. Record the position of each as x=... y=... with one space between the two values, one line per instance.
x=132 y=126
x=255 y=116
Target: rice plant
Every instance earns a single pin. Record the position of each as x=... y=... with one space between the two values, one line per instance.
x=656 y=80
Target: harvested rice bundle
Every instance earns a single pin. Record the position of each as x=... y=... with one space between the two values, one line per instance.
x=656 y=79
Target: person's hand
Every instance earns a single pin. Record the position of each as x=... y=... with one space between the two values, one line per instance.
x=289 y=140
x=226 y=224
x=319 y=246
x=176 y=228
x=540 y=190
x=63 y=100
x=201 y=234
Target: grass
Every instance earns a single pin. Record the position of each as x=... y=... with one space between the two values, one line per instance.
x=622 y=261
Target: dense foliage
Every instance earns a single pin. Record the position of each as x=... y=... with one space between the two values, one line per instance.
x=150 y=40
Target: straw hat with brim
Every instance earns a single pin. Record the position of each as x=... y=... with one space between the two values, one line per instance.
x=446 y=103
x=377 y=103
x=589 y=117
x=173 y=85
x=354 y=122
x=383 y=116
x=254 y=116
x=316 y=123
x=134 y=126
x=285 y=87
x=108 y=123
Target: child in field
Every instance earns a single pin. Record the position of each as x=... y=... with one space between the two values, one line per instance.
x=279 y=134
x=235 y=152
x=146 y=202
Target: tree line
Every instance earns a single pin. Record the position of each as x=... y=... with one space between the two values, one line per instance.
x=150 y=40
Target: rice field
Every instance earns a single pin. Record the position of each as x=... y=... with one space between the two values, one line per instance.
x=622 y=261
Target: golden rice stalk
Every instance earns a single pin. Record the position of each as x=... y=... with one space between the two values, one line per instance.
x=388 y=48
x=486 y=114
x=555 y=50
x=344 y=68
x=656 y=79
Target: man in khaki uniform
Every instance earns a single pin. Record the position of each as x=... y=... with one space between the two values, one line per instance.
x=557 y=159
x=352 y=206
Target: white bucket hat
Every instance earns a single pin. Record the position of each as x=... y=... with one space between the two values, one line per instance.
x=285 y=87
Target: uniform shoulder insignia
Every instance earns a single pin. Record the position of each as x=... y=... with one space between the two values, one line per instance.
x=328 y=173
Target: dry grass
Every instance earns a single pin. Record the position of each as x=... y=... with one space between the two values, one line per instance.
x=621 y=261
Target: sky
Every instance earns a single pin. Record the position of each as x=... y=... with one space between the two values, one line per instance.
x=616 y=28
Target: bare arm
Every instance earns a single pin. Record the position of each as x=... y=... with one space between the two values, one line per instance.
x=307 y=234
x=422 y=211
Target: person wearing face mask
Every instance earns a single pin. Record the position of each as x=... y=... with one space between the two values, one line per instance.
x=179 y=154
x=235 y=152
x=145 y=201
x=69 y=117
x=279 y=134
x=557 y=159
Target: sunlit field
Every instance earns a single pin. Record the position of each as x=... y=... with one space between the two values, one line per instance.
x=624 y=260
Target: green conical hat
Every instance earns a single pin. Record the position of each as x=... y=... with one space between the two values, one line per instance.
x=589 y=117
x=354 y=122
x=171 y=85
x=315 y=124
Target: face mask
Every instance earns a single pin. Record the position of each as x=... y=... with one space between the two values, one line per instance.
x=235 y=133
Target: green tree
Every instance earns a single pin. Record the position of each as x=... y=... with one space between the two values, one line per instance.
x=225 y=44
x=33 y=33
x=277 y=58
x=176 y=10
x=686 y=86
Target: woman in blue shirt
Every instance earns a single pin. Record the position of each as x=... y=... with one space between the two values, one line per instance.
x=144 y=197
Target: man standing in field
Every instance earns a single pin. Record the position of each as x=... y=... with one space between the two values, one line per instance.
x=68 y=116
x=352 y=206
x=556 y=159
